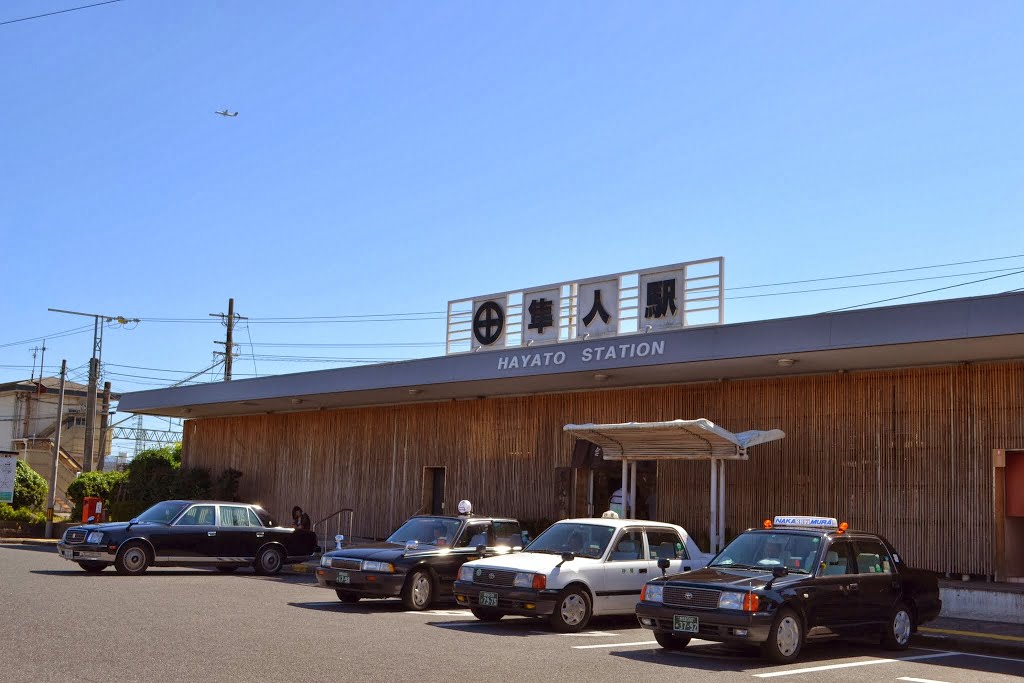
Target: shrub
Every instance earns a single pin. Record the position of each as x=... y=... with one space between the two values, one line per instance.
x=226 y=486
x=152 y=475
x=30 y=488
x=192 y=483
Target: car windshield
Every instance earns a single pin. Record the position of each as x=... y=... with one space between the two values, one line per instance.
x=764 y=550
x=163 y=512
x=438 y=531
x=585 y=540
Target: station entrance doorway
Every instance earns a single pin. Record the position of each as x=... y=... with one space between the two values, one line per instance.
x=598 y=479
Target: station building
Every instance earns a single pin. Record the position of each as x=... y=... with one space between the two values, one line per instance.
x=905 y=420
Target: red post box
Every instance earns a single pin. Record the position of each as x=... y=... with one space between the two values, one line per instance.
x=92 y=507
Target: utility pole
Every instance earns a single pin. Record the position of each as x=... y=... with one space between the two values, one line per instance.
x=104 y=422
x=229 y=344
x=94 y=375
x=56 y=452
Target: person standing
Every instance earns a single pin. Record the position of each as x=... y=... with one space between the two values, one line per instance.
x=300 y=520
x=618 y=499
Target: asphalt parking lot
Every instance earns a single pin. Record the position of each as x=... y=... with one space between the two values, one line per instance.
x=61 y=624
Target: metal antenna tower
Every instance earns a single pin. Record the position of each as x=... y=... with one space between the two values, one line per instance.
x=140 y=436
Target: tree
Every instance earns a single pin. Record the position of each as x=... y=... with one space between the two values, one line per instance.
x=30 y=488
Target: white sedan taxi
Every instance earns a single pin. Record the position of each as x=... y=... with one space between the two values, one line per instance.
x=575 y=569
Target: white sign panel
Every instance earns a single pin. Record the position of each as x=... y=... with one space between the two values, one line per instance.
x=489 y=323
x=597 y=308
x=8 y=468
x=661 y=303
x=542 y=314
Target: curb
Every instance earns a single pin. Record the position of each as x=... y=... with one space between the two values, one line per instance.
x=300 y=568
x=28 y=541
x=970 y=642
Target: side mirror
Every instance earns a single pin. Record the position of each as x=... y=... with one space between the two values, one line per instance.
x=481 y=549
x=92 y=518
x=568 y=557
x=663 y=564
x=779 y=572
x=133 y=520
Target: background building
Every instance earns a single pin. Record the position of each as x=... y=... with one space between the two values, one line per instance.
x=29 y=424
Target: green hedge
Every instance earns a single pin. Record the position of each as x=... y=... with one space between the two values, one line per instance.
x=21 y=514
x=103 y=485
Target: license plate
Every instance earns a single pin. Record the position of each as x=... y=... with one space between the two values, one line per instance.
x=343 y=577
x=685 y=624
x=488 y=599
x=67 y=554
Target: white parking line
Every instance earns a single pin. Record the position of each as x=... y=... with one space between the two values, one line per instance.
x=591 y=634
x=847 y=665
x=588 y=647
x=918 y=680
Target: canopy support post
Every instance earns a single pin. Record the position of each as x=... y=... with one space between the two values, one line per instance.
x=625 y=473
x=721 y=504
x=632 y=491
x=713 y=509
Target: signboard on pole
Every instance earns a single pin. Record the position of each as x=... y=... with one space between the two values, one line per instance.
x=8 y=468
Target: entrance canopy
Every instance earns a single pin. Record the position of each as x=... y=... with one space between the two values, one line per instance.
x=693 y=439
x=698 y=439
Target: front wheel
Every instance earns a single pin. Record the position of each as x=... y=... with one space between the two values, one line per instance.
x=346 y=596
x=671 y=641
x=92 y=567
x=486 y=614
x=132 y=560
x=572 y=611
x=896 y=631
x=418 y=591
x=269 y=561
x=785 y=638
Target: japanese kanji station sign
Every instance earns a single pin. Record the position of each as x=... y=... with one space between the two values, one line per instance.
x=680 y=295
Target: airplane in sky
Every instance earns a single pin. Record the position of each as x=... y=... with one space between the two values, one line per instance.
x=225 y=112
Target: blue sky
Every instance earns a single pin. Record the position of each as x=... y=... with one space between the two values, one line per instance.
x=388 y=157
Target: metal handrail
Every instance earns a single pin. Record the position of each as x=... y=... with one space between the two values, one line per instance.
x=351 y=516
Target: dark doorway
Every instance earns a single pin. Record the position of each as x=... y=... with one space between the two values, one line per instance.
x=598 y=479
x=433 y=490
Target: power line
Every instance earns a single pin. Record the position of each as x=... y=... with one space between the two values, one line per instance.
x=928 y=291
x=63 y=11
x=870 y=284
x=880 y=272
x=55 y=335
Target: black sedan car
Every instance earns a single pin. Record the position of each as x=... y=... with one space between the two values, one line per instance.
x=419 y=562
x=186 y=533
x=798 y=579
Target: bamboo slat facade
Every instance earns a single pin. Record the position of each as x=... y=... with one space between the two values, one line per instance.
x=906 y=453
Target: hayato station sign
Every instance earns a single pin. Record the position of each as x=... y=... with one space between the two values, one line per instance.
x=540 y=359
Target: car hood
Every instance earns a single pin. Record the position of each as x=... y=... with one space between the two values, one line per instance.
x=723 y=577
x=112 y=527
x=384 y=551
x=541 y=563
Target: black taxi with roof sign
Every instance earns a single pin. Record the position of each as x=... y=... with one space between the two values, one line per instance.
x=797 y=579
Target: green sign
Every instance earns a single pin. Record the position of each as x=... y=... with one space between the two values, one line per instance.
x=8 y=468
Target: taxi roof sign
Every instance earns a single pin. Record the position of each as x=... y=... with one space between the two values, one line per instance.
x=806 y=522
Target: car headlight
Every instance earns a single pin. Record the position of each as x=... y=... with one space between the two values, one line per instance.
x=730 y=600
x=653 y=592
x=523 y=580
x=95 y=537
x=466 y=574
x=325 y=561
x=372 y=566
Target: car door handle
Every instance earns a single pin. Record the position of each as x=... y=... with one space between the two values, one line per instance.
x=853 y=587
x=643 y=570
x=686 y=569
x=211 y=533
x=259 y=534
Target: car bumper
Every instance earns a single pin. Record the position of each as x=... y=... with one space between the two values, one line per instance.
x=85 y=552
x=364 y=584
x=734 y=627
x=523 y=601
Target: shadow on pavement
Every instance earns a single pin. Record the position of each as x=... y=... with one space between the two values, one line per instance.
x=28 y=546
